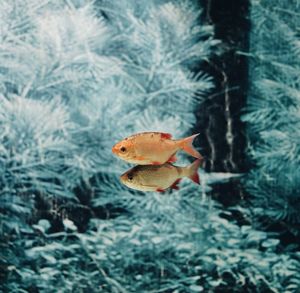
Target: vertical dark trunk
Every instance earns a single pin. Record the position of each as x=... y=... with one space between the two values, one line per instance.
x=223 y=137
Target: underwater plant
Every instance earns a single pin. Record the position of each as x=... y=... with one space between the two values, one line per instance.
x=273 y=116
x=75 y=78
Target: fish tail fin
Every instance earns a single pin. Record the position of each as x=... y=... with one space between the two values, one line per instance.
x=187 y=145
x=193 y=171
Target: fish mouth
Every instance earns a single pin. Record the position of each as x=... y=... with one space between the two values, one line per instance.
x=114 y=149
x=123 y=178
x=124 y=181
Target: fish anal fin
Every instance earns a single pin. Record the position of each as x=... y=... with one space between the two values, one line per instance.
x=172 y=159
x=164 y=135
x=156 y=163
x=175 y=184
x=160 y=190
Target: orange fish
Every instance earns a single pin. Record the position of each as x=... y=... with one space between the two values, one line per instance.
x=159 y=178
x=153 y=148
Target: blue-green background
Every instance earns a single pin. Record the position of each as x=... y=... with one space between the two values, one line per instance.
x=76 y=77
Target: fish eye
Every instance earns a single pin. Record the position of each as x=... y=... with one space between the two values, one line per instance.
x=123 y=149
x=130 y=176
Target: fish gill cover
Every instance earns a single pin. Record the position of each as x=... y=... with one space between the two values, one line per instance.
x=75 y=77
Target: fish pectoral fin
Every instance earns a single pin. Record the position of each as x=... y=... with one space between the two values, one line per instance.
x=156 y=163
x=175 y=184
x=149 y=185
x=140 y=158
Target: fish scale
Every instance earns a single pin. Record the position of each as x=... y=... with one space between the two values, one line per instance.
x=159 y=178
x=153 y=148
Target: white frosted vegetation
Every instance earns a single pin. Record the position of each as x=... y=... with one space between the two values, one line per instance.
x=274 y=112
x=75 y=77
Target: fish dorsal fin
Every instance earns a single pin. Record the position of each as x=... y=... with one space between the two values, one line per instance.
x=165 y=135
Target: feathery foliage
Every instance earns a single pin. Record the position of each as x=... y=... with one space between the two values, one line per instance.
x=75 y=77
x=273 y=112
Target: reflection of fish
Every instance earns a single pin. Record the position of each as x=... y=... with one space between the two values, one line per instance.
x=159 y=178
x=153 y=148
